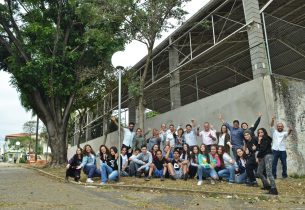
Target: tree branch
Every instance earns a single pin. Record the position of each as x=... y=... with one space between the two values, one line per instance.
x=14 y=40
x=68 y=108
x=57 y=28
x=15 y=27
x=6 y=45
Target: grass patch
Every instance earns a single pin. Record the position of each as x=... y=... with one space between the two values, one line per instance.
x=286 y=187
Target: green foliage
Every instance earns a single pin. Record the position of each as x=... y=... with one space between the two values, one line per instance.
x=146 y=20
x=29 y=127
x=61 y=41
x=57 y=53
x=132 y=81
x=151 y=114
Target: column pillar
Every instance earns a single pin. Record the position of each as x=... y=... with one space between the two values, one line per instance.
x=175 y=95
x=132 y=110
x=258 y=53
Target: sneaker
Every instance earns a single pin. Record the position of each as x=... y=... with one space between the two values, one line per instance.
x=172 y=177
x=148 y=178
x=89 y=180
x=212 y=181
x=273 y=191
x=139 y=174
x=162 y=178
x=199 y=183
x=185 y=177
x=103 y=183
x=231 y=182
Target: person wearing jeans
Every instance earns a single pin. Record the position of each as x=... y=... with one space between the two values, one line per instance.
x=241 y=161
x=204 y=167
x=279 y=137
x=228 y=165
x=109 y=169
x=265 y=159
x=89 y=164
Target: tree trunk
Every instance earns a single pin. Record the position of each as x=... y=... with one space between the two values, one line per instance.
x=57 y=139
x=141 y=112
x=55 y=117
x=141 y=107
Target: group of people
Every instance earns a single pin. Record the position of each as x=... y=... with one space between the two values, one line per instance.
x=236 y=154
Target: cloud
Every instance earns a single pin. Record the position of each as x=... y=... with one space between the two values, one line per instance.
x=12 y=114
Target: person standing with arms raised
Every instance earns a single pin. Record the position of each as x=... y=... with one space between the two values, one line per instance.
x=279 y=146
x=208 y=136
x=237 y=134
x=128 y=135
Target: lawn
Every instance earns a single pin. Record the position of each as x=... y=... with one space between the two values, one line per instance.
x=286 y=187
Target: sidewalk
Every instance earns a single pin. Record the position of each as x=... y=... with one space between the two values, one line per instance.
x=290 y=190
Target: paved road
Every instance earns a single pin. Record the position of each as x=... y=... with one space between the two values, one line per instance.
x=26 y=189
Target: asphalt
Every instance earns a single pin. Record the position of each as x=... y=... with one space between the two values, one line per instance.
x=22 y=188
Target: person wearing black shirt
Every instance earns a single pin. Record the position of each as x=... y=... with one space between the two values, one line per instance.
x=251 y=148
x=109 y=168
x=265 y=159
x=159 y=167
x=177 y=165
x=72 y=165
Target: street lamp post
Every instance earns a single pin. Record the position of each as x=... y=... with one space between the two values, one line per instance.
x=17 y=144
x=117 y=63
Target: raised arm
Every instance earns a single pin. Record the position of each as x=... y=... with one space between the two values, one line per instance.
x=272 y=121
x=117 y=124
x=257 y=121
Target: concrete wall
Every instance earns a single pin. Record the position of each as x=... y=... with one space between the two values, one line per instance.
x=289 y=98
x=242 y=102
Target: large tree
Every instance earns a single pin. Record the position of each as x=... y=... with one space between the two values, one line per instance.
x=54 y=49
x=145 y=21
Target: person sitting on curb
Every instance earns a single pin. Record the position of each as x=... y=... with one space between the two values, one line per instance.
x=73 y=163
x=89 y=164
x=140 y=163
x=177 y=165
x=109 y=169
x=160 y=167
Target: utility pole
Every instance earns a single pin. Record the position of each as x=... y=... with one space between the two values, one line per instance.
x=36 y=145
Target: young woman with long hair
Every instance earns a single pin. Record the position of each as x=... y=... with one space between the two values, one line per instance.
x=241 y=161
x=265 y=159
x=89 y=163
x=224 y=138
x=72 y=165
x=185 y=159
x=109 y=168
x=227 y=165
x=194 y=162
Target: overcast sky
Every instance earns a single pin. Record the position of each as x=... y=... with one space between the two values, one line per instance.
x=13 y=115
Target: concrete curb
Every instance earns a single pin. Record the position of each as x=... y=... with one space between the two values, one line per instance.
x=166 y=190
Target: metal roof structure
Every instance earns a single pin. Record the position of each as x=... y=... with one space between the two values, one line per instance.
x=214 y=50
